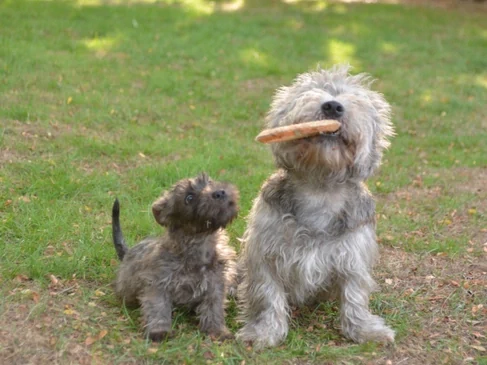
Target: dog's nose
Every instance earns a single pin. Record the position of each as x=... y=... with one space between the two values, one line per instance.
x=219 y=194
x=332 y=109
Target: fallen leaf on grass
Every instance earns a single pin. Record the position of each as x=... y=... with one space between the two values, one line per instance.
x=25 y=199
x=21 y=278
x=31 y=294
x=70 y=312
x=99 y=293
x=479 y=348
x=208 y=355
x=477 y=308
x=478 y=335
x=54 y=280
x=90 y=340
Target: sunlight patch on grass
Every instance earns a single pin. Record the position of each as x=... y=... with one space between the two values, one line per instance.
x=103 y=45
x=255 y=57
x=481 y=80
x=342 y=52
x=315 y=5
x=426 y=96
x=112 y=2
x=199 y=6
x=230 y=6
x=389 y=48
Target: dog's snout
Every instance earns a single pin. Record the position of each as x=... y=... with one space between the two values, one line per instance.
x=332 y=109
x=219 y=194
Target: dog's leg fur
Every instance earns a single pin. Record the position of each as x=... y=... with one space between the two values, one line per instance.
x=266 y=316
x=355 y=285
x=211 y=310
x=156 y=310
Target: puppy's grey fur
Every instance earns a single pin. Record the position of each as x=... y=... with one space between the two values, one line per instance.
x=311 y=230
x=191 y=264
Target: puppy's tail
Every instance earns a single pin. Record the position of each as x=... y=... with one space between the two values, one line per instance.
x=118 y=240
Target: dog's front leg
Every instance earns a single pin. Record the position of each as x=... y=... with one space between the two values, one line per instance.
x=211 y=311
x=265 y=308
x=355 y=285
x=156 y=310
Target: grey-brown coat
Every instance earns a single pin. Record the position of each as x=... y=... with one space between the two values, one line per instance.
x=190 y=265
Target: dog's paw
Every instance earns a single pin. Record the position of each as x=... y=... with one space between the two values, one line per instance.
x=159 y=336
x=374 y=329
x=221 y=335
x=384 y=335
x=261 y=336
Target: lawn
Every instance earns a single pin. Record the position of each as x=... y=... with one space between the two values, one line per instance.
x=104 y=99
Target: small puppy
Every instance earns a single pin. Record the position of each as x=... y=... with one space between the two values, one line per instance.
x=311 y=230
x=191 y=264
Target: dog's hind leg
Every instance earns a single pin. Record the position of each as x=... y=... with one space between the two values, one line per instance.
x=156 y=309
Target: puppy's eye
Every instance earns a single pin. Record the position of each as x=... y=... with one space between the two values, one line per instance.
x=188 y=198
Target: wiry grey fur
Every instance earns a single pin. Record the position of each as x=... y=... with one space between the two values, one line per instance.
x=311 y=230
x=191 y=264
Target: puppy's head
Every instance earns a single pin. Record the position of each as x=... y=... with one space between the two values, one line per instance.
x=354 y=150
x=197 y=205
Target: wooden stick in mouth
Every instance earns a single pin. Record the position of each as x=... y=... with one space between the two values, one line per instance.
x=298 y=131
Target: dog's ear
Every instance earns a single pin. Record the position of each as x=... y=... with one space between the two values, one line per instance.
x=384 y=125
x=162 y=209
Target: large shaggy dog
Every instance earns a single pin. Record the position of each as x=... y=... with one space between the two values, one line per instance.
x=311 y=230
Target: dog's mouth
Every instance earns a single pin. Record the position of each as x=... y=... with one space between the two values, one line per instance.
x=325 y=136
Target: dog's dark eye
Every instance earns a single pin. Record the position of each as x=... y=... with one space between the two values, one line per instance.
x=188 y=198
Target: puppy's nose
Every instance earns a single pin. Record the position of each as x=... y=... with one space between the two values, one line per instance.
x=219 y=194
x=332 y=109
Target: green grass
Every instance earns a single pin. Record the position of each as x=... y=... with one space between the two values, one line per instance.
x=101 y=99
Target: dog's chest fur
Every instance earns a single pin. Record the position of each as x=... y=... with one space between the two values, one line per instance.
x=198 y=267
x=315 y=209
x=316 y=224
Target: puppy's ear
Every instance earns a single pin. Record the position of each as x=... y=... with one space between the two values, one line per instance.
x=162 y=209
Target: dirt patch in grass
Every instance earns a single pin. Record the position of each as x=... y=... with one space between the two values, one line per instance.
x=420 y=203
x=443 y=300
x=463 y=5
x=65 y=323
x=439 y=298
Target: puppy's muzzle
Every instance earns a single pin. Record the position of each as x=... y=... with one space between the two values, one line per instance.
x=219 y=195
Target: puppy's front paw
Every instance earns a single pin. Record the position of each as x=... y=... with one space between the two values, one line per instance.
x=159 y=336
x=221 y=335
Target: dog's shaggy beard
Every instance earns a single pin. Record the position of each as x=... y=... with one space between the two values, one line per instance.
x=355 y=151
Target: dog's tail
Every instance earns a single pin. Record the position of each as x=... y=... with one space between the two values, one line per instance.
x=118 y=240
